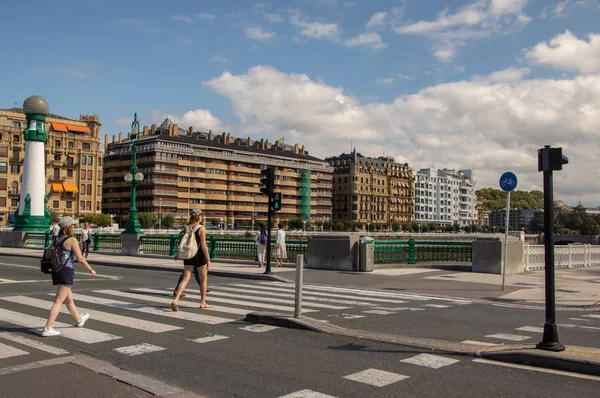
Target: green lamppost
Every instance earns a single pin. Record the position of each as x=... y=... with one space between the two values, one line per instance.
x=132 y=225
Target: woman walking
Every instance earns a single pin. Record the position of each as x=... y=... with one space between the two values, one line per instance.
x=261 y=244
x=280 y=250
x=86 y=239
x=68 y=247
x=201 y=261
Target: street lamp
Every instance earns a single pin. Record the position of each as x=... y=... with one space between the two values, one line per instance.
x=368 y=225
x=304 y=228
x=132 y=225
x=159 y=213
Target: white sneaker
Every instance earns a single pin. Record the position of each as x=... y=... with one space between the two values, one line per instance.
x=50 y=332
x=84 y=317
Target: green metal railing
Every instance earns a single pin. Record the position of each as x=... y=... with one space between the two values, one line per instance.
x=106 y=242
x=159 y=244
x=37 y=239
x=412 y=252
x=245 y=249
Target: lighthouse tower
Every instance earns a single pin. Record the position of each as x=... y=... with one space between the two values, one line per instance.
x=32 y=214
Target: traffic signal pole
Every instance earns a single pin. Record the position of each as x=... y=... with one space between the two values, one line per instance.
x=268 y=269
x=268 y=180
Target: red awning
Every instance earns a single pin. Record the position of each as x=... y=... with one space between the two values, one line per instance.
x=59 y=127
x=79 y=129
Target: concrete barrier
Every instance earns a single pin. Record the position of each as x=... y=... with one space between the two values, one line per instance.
x=337 y=252
x=12 y=239
x=130 y=245
x=488 y=256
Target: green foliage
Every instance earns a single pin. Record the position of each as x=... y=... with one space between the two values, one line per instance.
x=327 y=225
x=579 y=223
x=296 y=223
x=494 y=199
x=147 y=220
x=167 y=221
x=338 y=226
x=54 y=217
x=100 y=219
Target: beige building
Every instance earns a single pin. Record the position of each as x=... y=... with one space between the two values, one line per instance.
x=217 y=173
x=73 y=164
x=375 y=190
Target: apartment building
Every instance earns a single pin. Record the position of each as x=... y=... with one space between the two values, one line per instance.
x=217 y=173
x=73 y=164
x=517 y=219
x=445 y=197
x=376 y=190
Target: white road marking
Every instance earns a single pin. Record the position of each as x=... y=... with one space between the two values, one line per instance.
x=591 y=316
x=379 y=312
x=307 y=394
x=430 y=361
x=417 y=309
x=511 y=337
x=95 y=315
x=473 y=342
x=259 y=328
x=144 y=308
x=7 y=280
x=7 y=351
x=187 y=301
x=350 y=316
x=533 y=329
x=376 y=377
x=566 y=325
x=543 y=370
x=33 y=343
x=37 y=268
x=390 y=308
x=436 y=305
x=589 y=327
x=208 y=339
x=139 y=349
x=83 y=335
x=579 y=319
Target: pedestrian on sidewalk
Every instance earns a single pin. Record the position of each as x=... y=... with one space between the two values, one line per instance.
x=262 y=240
x=68 y=247
x=201 y=261
x=280 y=249
x=86 y=239
x=54 y=230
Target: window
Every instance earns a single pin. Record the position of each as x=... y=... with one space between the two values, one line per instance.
x=4 y=151
x=3 y=167
x=83 y=159
x=82 y=205
x=55 y=204
x=14 y=202
x=15 y=168
x=69 y=204
x=57 y=143
x=70 y=173
x=88 y=205
x=3 y=184
x=99 y=161
x=16 y=138
x=16 y=124
x=89 y=174
x=57 y=156
x=15 y=188
x=83 y=172
x=85 y=146
x=90 y=161
x=70 y=144
x=82 y=189
x=89 y=189
x=2 y=202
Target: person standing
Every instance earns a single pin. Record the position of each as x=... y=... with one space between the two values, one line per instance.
x=54 y=229
x=68 y=248
x=262 y=240
x=280 y=249
x=201 y=261
x=86 y=238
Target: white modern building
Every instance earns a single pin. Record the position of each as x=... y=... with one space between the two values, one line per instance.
x=445 y=197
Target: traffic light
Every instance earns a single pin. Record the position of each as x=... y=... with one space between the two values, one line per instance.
x=276 y=201
x=550 y=159
x=267 y=177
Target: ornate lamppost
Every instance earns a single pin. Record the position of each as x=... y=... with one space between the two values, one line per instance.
x=132 y=225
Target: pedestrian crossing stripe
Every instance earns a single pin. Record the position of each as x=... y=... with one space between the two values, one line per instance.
x=7 y=351
x=209 y=339
x=32 y=343
x=83 y=335
x=114 y=319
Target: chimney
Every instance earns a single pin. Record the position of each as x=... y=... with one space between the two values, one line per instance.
x=153 y=129
x=295 y=148
x=267 y=145
x=175 y=130
x=302 y=151
x=249 y=141
x=223 y=138
x=190 y=130
x=228 y=138
x=171 y=129
x=120 y=137
x=105 y=142
x=145 y=132
x=210 y=135
x=262 y=143
x=114 y=139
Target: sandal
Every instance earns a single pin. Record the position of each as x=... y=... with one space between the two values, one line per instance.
x=174 y=307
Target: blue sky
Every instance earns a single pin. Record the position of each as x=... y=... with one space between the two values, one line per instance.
x=461 y=84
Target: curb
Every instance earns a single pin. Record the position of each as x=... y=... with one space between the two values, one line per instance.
x=141 y=382
x=521 y=355
x=537 y=303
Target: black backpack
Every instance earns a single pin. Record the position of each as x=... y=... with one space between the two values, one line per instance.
x=50 y=262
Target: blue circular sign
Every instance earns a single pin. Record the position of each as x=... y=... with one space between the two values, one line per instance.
x=508 y=181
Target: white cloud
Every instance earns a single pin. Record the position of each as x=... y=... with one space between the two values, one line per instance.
x=314 y=30
x=557 y=11
x=182 y=18
x=274 y=18
x=376 y=20
x=220 y=58
x=509 y=75
x=371 y=39
x=257 y=33
x=479 y=123
x=205 y=16
x=479 y=19
x=386 y=81
x=567 y=52
x=199 y=119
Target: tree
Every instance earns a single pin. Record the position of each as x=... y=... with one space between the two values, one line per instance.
x=395 y=226
x=296 y=223
x=167 y=221
x=407 y=227
x=147 y=220
x=54 y=217
x=100 y=219
x=327 y=225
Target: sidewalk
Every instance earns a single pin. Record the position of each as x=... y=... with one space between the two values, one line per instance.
x=572 y=290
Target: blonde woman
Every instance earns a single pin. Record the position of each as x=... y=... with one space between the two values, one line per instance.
x=201 y=262
x=69 y=248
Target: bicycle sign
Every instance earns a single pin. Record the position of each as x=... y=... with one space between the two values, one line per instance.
x=508 y=181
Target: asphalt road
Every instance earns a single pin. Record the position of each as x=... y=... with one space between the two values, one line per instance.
x=224 y=356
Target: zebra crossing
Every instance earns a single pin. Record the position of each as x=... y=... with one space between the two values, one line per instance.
x=147 y=310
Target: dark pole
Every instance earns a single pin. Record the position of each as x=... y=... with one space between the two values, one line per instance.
x=268 y=269
x=550 y=340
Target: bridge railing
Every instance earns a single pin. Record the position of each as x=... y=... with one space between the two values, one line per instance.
x=565 y=256
x=412 y=252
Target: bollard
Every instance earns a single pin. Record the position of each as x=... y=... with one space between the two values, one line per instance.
x=299 y=272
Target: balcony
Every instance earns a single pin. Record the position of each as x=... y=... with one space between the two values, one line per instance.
x=56 y=178
x=16 y=160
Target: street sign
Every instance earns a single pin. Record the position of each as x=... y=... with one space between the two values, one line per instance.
x=508 y=181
